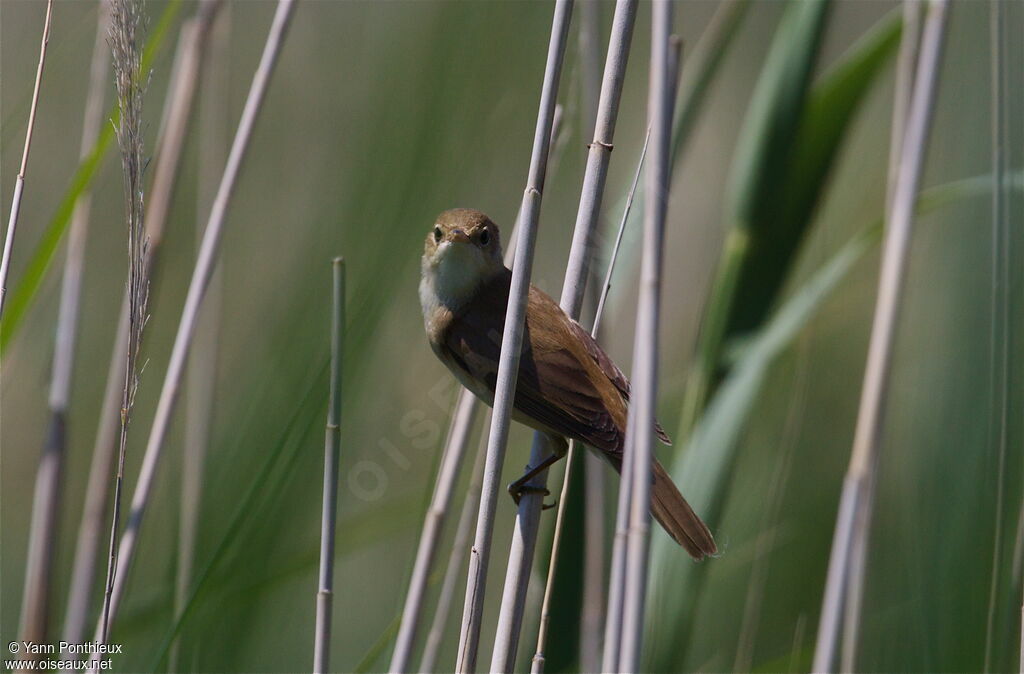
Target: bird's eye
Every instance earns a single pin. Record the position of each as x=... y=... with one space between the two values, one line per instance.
x=438 y=233
x=485 y=237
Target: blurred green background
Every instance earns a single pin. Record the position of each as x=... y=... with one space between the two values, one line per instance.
x=379 y=116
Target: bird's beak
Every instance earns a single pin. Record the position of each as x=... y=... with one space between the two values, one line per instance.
x=457 y=235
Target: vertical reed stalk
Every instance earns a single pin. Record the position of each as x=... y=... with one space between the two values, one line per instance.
x=126 y=19
x=853 y=520
x=462 y=533
x=511 y=344
x=466 y=406
x=617 y=574
x=43 y=532
x=462 y=423
x=706 y=58
x=645 y=350
x=906 y=64
x=595 y=493
x=332 y=455
x=19 y=183
x=545 y=616
x=197 y=288
x=594 y=481
x=90 y=530
x=528 y=517
x=1000 y=303
x=616 y=581
x=588 y=36
x=212 y=128
x=213 y=121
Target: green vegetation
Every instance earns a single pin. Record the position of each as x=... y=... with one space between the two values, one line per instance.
x=381 y=115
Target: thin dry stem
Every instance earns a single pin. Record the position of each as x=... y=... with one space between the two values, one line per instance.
x=538 y=658
x=213 y=121
x=44 y=529
x=644 y=388
x=905 y=66
x=447 y=475
x=174 y=129
x=573 y=290
x=126 y=22
x=457 y=441
x=1000 y=338
x=332 y=455
x=854 y=517
x=197 y=289
x=511 y=344
x=462 y=533
x=19 y=184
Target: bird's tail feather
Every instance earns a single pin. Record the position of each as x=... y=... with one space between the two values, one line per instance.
x=677 y=517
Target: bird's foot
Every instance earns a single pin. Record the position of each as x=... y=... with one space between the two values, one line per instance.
x=517 y=489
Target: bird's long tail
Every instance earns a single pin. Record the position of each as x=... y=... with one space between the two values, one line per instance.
x=677 y=517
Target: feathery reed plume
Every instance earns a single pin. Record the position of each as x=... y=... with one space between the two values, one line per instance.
x=197 y=289
x=126 y=20
x=47 y=501
x=511 y=343
x=528 y=517
x=19 y=184
x=171 y=138
x=545 y=615
x=457 y=440
x=645 y=350
x=332 y=455
x=853 y=520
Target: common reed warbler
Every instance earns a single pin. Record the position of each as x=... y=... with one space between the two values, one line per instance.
x=567 y=385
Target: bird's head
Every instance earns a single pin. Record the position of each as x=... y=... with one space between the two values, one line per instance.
x=462 y=250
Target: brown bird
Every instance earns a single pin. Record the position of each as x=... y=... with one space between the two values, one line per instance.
x=567 y=386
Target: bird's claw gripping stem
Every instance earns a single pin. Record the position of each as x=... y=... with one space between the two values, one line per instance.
x=516 y=490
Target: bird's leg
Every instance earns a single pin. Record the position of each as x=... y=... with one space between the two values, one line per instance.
x=520 y=486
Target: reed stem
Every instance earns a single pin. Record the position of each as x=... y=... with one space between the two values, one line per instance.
x=332 y=455
x=854 y=517
x=462 y=533
x=573 y=288
x=595 y=487
x=452 y=458
x=644 y=389
x=127 y=19
x=905 y=65
x=170 y=142
x=462 y=423
x=19 y=183
x=1000 y=338
x=197 y=289
x=538 y=658
x=43 y=534
x=212 y=129
x=511 y=344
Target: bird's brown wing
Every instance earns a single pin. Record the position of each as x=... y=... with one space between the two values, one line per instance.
x=566 y=385
x=610 y=370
